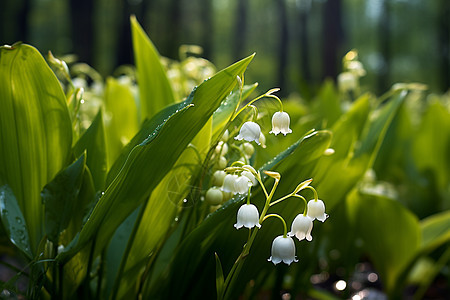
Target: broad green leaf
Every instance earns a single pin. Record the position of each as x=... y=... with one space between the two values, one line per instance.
x=431 y=143
x=328 y=104
x=435 y=231
x=224 y=112
x=121 y=118
x=35 y=130
x=60 y=198
x=375 y=133
x=13 y=220
x=93 y=142
x=219 y=278
x=194 y=259
x=391 y=233
x=155 y=91
x=149 y=162
x=162 y=207
x=147 y=128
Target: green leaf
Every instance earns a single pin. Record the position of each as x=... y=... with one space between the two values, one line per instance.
x=122 y=118
x=93 y=142
x=161 y=209
x=13 y=220
x=149 y=162
x=435 y=231
x=224 y=112
x=35 y=130
x=431 y=143
x=390 y=232
x=60 y=198
x=154 y=87
x=219 y=278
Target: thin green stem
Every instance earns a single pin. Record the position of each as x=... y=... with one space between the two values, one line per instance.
x=248 y=194
x=282 y=220
x=268 y=94
x=316 y=197
x=306 y=203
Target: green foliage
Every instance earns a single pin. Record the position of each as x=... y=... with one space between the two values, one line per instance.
x=118 y=211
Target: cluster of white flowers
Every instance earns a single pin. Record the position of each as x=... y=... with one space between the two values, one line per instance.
x=283 y=246
x=348 y=80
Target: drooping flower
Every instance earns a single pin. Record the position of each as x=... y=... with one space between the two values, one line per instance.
x=250 y=176
x=280 y=123
x=229 y=183
x=242 y=184
x=283 y=250
x=250 y=131
x=247 y=216
x=301 y=227
x=316 y=210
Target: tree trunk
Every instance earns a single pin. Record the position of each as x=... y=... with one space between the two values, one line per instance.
x=240 y=31
x=333 y=37
x=385 y=47
x=283 y=46
x=82 y=28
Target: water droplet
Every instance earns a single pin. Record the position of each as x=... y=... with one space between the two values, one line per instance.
x=18 y=220
x=82 y=101
x=185 y=200
x=176 y=219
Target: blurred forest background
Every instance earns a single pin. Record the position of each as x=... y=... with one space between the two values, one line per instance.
x=298 y=43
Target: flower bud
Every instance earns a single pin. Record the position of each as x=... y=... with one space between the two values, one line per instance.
x=214 y=196
x=218 y=177
x=248 y=149
x=222 y=163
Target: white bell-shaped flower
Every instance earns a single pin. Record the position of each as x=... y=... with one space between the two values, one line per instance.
x=242 y=184
x=347 y=82
x=250 y=131
x=316 y=210
x=229 y=183
x=301 y=227
x=283 y=250
x=280 y=123
x=250 y=176
x=247 y=216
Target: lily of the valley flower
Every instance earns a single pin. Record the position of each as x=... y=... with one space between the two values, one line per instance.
x=280 y=123
x=301 y=227
x=247 y=216
x=283 y=250
x=242 y=184
x=316 y=210
x=229 y=183
x=250 y=131
x=250 y=176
